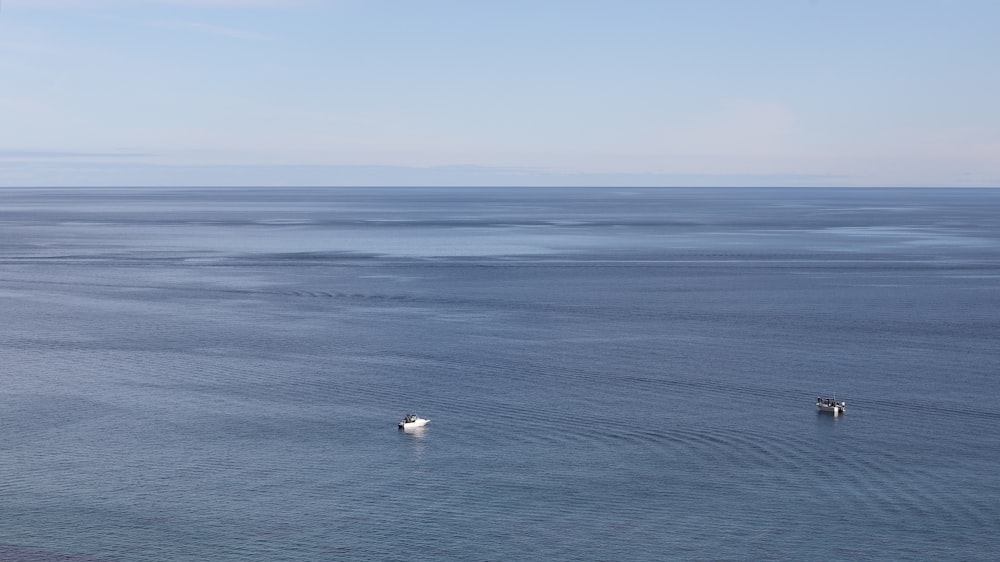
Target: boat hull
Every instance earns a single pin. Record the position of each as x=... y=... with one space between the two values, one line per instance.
x=832 y=407
x=414 y=424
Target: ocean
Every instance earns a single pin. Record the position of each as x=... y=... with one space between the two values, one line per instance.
x=610 y=374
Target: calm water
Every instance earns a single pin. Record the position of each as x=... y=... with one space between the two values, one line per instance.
x=612 y=374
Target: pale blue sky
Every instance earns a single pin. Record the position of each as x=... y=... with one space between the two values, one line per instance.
x=481 y=92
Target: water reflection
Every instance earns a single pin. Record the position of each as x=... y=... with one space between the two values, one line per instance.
x=417 y=432
x=417 y=436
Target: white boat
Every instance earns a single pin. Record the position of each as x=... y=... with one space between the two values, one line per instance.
x=831 y=405
x=411 y=421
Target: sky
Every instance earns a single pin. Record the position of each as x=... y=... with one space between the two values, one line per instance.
x=500 y=92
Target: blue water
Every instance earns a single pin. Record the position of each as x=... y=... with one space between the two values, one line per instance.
x=611 y=374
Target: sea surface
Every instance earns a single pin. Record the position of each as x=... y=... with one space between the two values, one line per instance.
x=611 y=374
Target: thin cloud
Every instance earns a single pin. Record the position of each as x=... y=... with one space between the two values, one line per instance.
x=8 y=154
x=232 y=3
x=219 y=30
x=49 y=4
